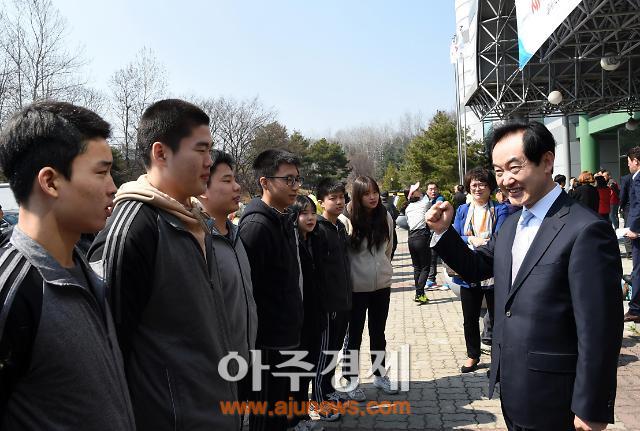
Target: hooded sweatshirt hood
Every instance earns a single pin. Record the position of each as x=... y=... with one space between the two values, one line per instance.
x=142 y=190
x=258 y=206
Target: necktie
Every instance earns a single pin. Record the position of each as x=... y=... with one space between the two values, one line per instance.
x=520 y=243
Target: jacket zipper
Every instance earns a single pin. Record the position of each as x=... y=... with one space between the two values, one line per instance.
x=173 y=404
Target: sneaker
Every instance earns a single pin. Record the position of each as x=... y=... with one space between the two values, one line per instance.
x=421 y=299
x=431 y=283
x=383 y=382
x=327 y=411
x=328 y=415
x=337 y=396
x=356 y=395
x=308 y=425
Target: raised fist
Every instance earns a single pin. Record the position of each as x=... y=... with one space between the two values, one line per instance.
x=439 y=217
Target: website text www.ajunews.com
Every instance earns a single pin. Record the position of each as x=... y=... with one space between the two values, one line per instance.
x=295 y=408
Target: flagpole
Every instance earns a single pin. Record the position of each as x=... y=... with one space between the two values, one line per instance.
x=458 y=134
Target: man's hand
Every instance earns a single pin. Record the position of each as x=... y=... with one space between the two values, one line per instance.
x=631 y=235
x=477 y=242
x=581 y=425
x=439 y=217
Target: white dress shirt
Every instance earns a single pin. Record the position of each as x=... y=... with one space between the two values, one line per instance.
x=526 y=234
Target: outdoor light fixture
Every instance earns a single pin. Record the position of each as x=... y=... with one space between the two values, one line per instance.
x=610 y=61
x=555 y=97
x=632 y=124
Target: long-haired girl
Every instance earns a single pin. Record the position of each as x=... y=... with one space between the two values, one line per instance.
x=370 y=228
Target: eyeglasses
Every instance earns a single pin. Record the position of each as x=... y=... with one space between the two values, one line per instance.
x=290 y=180
x=513 y=169
x=478 y=186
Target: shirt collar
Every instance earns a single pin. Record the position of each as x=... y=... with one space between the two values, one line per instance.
x=542 y=207
x=633 y=177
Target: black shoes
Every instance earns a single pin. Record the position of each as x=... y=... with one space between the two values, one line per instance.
x=470 y=369
x=628 y=317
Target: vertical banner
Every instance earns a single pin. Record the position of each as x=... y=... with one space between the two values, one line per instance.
x=464 y=47
x=537 y=20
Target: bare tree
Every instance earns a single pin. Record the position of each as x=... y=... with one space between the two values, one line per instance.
x=36 y=63
x=133 y=88
x=360 y=164
x=90 y=98
x=234 y=125
x=371 y=148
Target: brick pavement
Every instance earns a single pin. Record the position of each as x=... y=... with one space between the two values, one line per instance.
x=440 y=396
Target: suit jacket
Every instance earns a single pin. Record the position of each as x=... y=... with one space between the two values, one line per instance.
x=634 y=205
x=558 y=328
x=625 y=187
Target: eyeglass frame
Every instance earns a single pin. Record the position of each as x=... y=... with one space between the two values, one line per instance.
x=289 y=179
x=479 y=186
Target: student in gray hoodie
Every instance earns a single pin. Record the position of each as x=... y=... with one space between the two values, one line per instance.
x=60 y=365
x=222 y=198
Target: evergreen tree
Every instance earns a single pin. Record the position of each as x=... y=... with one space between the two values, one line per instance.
x=324 y=159
x=391 y=179
x=433 y=156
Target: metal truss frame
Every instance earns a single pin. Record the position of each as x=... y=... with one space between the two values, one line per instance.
x=569 y=62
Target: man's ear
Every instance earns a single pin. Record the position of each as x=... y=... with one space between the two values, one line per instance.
x=159 y=153
x=549 y=158
x=263 y=182
x=49 y=180
x=321 y=203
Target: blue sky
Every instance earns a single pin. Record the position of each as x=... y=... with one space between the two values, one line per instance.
x=322 y=65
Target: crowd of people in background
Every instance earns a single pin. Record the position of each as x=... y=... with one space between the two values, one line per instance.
x=130 y=331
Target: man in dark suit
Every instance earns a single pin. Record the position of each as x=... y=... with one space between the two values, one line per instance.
x=625 y=187
x=633 y=161
x=558 y=313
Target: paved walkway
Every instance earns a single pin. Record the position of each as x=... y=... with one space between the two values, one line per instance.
x=440 y=397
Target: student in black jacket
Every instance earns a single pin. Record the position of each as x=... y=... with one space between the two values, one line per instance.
x=394 y=213
x=268 y=233
x=336 y=298
x=312 y=248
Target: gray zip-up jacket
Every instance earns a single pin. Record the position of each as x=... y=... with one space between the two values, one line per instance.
x=171 y=319
x=235 y=279
x=60 y=365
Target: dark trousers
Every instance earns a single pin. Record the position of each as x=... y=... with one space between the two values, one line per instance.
x=627 y=242
x=331 y=340
x=377 y=303
x=634 y=303
x=273 y=389
x=433 y=268
x=420 y=257
x=395 y=242
x=471 y=299
x=310 y=343
x=511 y=426
x=613 y=216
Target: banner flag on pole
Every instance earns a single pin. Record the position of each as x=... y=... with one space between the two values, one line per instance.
x=537 y=20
